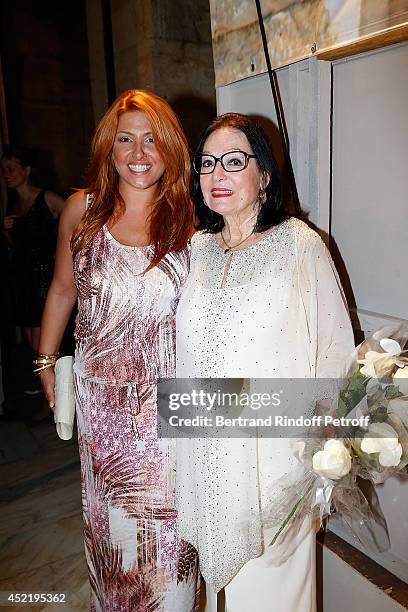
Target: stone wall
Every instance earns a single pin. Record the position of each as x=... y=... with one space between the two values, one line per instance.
x=165 y=47
x=295 y=29
x=184 y=69
x=54 y=65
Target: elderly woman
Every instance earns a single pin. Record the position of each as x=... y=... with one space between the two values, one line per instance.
x=262 y=300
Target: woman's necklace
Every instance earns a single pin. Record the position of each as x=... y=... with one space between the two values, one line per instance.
x=229 y=247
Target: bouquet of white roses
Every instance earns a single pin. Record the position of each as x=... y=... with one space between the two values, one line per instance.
x=376 y=388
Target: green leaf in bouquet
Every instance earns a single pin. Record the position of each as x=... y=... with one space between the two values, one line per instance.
x=363 y=459
x=403 y=463
x=342 y=408
x=378 y=413
x=352 y=393
x=291 y=514
x=356 y=445
x=392 y=392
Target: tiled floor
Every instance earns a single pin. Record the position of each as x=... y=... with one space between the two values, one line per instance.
x=41 y=522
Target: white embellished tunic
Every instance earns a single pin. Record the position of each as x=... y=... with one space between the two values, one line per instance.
x=272 y=310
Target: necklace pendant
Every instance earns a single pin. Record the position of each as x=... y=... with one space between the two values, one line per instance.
x=231 y=247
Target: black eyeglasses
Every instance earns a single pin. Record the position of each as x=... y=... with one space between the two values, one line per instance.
x=233 y=161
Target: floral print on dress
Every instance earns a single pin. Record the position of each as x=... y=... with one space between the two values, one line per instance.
x=125 y=341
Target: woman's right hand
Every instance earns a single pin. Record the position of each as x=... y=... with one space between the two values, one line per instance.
x=47 y=378
x=8 y=222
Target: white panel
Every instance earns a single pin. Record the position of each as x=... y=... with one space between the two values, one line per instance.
x=305 y=92
x=370 y=219
x=370 y=177
x=251 y=96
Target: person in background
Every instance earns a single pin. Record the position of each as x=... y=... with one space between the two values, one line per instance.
x=30 y=225
x=123 y=253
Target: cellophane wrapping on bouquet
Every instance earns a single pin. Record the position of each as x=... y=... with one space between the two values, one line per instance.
x=334 y=465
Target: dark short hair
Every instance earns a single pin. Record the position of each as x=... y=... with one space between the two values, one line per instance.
x=22 y=154
x=26 y=157
x=273 y=211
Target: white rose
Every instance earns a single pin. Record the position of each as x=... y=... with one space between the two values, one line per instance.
x=333 y=461
x=376 y=365
x=383 y=439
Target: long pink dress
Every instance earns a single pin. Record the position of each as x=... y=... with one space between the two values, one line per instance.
x=125 y=341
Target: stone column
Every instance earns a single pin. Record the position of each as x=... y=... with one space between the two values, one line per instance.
x=97 y=70
x=166 y=47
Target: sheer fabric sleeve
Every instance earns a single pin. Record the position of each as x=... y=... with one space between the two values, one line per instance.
x=331 y=335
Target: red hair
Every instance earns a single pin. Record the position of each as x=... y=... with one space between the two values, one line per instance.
x=171 y=219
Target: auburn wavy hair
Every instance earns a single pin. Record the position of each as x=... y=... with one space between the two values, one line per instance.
x=171 y=219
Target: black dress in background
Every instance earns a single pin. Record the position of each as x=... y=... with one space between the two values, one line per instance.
x=32 y=264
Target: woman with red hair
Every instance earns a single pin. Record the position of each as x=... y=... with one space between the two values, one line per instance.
x=122 y=252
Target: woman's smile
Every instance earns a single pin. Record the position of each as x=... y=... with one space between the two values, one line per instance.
x=139 y=168
x=219 y=192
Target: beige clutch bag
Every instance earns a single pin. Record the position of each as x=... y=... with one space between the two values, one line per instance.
x=64 y=412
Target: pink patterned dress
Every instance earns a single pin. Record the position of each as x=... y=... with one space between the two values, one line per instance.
x=125 y=341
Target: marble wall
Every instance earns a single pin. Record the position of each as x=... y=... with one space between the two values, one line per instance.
x=295 y=29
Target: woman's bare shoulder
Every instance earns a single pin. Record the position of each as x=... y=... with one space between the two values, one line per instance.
x=75 y=205
x=74 y=208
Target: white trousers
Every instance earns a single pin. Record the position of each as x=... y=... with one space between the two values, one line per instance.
x=262 y=587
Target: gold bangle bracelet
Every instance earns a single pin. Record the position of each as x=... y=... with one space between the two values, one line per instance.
x=41 y=361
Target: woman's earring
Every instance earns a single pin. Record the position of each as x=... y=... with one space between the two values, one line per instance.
x=262 y=196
